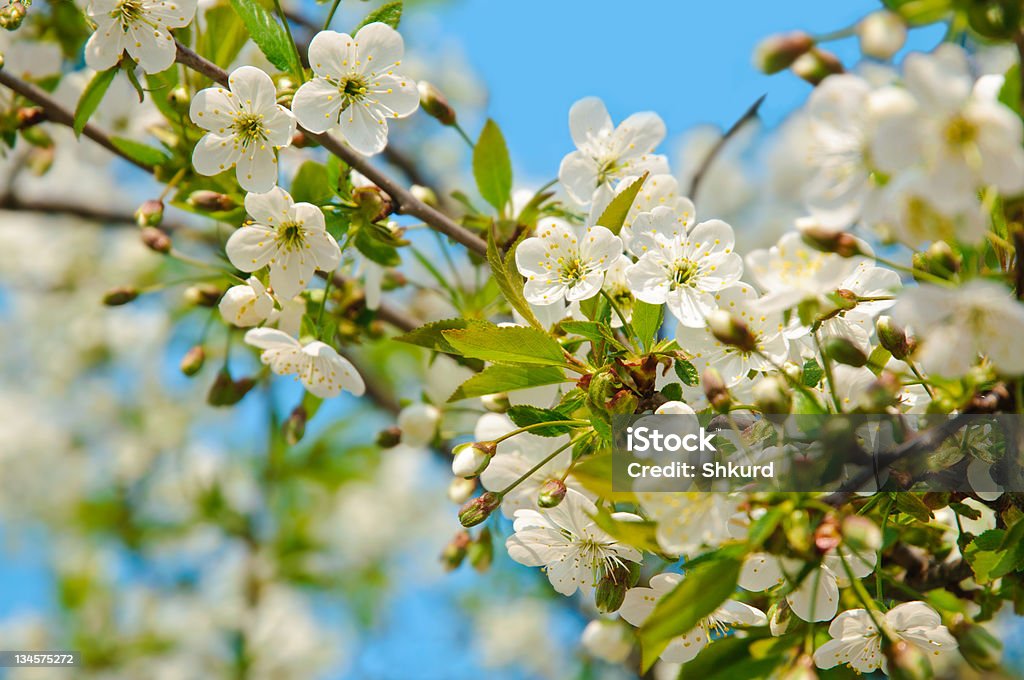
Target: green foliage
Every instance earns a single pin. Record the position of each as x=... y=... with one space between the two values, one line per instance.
x=91 y=97
x=492 y=167
x=143 y=153
x=390 y=14
x=687 y=372
x=431 y=335
x=310 y=184
x=642 y=535
x=617 y=211
x=505 y=274
x=593 y=331
x=646 y=321
x=514 y=344
x=269 y=35
x=499 y=378
x=812 y=373
x=1010 y=93
x=531 y=415
x=224 y=35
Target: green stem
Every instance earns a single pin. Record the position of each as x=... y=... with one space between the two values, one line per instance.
x=917 y=373
x=627 y=327
x=532 y=426
x=462 y=133
x=826 y=366
x=295 y=48
x=330 y=15
x=323 y=306
x=536 y=467
x=916 y=273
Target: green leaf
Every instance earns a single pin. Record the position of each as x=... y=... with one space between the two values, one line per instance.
x=672 y=392
x=984 y=555
x=389 y=14
x=431 y=335
x=338 y=177
x=310 y=184
x=268 y=34
x=513 y=344
x=509 y=281
x=911 y=504
x=143 y=153
x=91 y=97
x=687 y=372
x=381 y=253
x=646 y=321
x=812 y=373
x=615 y=214
x=492 y=167
x=531 y=415
x=1013 y=544
x=1010 y=93
x=593 y=331
x=503 y=378
x=703 y=589
x=642 y=535
x=224 y=35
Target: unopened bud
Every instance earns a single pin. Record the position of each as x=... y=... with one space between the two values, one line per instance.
x=472 y=458
x=203 y=295
x=211 y=201
x=623 y=402
x=779 y=618
x=156 y=240
x=826 y=535
x=611 y=589
x=715 y=390
x=778 y=52
x=373 y=203
x=418 y=423
x=30 y=116
x=455 y=552
x=978 y=646
x=843 y=351
x=424 y=195
x=227 y=392
x=193 y=360
x=481 y=551
x=772 y=396
x=938 y=260
x=150 y=213
x=825 y=240
x=121 y=295
x=881 y=393
x=179 y=99
x=861 y=534
x=300 y=140
x=882 y=34
x=731 y=331
x=295 y=427
x=479 y=509
x=906 y=661
x=460 y=490
x=496 y=403
x=552 y=492
x=435 y=103
x=894 y=338
x=12 y=15
x=816 y=65
x=389 y=437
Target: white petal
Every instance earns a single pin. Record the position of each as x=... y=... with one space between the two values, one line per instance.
x=379 y=47
x=331 y=54
x=316 y=105
x=254 y=89
x=589 y=121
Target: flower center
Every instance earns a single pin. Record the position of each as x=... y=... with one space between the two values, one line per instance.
x=128 y=12
x=352 y=89
x=683 y=272
x=960 y=131
x=573 y=271
x=290 y=236
x=249 y=128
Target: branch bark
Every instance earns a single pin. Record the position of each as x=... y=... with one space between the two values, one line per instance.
x=748 y=115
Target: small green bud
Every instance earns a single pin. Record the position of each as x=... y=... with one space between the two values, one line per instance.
x=828 y=241
x=455 y=552
x=424 y=195
x=389 y=437
x=156 y=240
x=295 y=427
x=12 y=15
x=978 y=646
x=227 y=392
x=938 y=260
x=731 y=331
x=203 y=295
x=861 y=534
x=772 y=396
x=193 y=360
x=436 y=104
x=496 y=403
x=179 y=99
x=778 y=52
x=882 y=392
x=610 y=591
x=481 y=551
x=894 y=338
x=373 y=203
x=211 y=201
x=150 y=213
x=816 y=65
x=843 y=351
x=552 y=492
x=122 y=295
x=715 y=390
x=479 y=509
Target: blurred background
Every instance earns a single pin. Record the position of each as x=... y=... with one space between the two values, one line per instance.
x=165 y=538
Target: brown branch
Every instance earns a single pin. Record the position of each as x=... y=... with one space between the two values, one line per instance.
x=58 y=114
x=405 y=202
x=705 y=165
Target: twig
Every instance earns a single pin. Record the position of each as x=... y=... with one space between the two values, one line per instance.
x=750 y=114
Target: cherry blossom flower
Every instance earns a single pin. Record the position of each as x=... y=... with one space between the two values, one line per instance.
x=688 y=521
x=640 y=602
x=857 y=642
x=290 y=237
x=142 y=27
x=607 y=640
x=605 y=153
x=567 y=543
x=356 y=87
x=566 y=262
x=245 y=127
x=682 y=269
x=322 y=371
x=246 y=305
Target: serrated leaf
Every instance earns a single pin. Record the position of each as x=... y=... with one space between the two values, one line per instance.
x=492 y=167
x=91 y=97
x=812 y=373
x=703 y=589
x=646 y=321
x=509 y=281
x=269 y=35
x=531 y=415
x=983 y=554
x=687 y=372
x=374 y=249
x=137 y=151
x=642 y=535
x=431 y=335
x=513 y=344
x=389 y=14
x=593 y=331
x=672 y=392
x=911 y=504
x=224 y=35
x=504 y=378
x=617 y=211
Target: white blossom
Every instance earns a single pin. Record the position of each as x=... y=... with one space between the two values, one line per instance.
x=140 y=27
x=322 y=371
x=247 y=304
x=565 y=262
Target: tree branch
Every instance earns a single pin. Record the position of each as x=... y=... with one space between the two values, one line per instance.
x=750 y=114
x=405 y=202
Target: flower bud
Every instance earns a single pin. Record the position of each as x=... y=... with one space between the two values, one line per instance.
x=203 y=295
x=715 y=389
x=150 y=213
x=424 y=195
x=906 y=661
x=843 y=351
x=772 y=396
x=121 y=295
x=938 y=260
x=479 y=509
x=227 y=392
x=552 y=492
x=389 y=437
x=816 y=65
x=496 y=403
x=881 y=393
x=211 y=201
x=12 y=15
x=779 y=618
x=460 y=490
x=894 y=338
x=373 y=202
x=826 y=535
x=295 y=427
x=611 y=588
x=436 y=104
x=472 y=458
x=861 y=534
x=881 y=34
x=608 y=640
x=179 y=99
x=418 y=423
x=731 y=331
x=30 y=116
x=455 y=552
x=979 y=647
x=481 y=551
x=193 y=360
x=827 y=241
x=156 y=240
x=778 y=52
